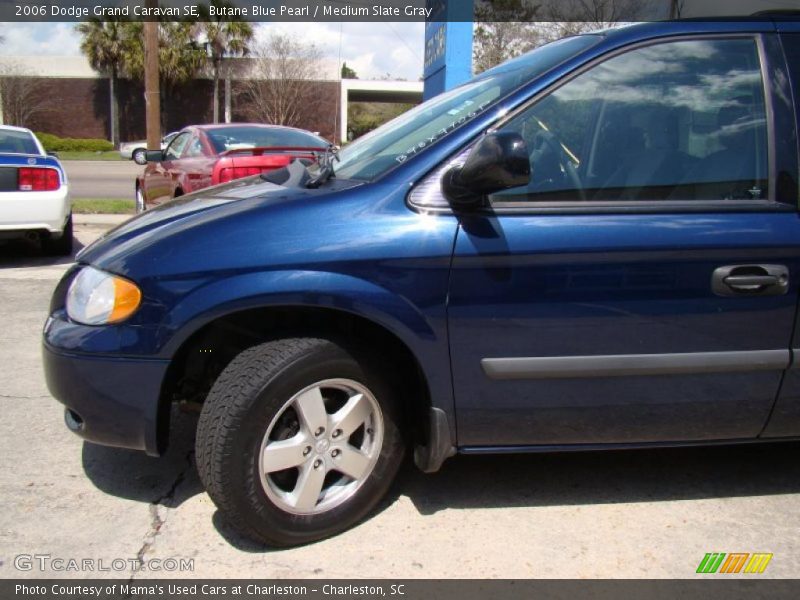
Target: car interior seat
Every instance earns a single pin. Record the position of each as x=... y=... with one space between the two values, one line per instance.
x=654 y=171
x=734 y=170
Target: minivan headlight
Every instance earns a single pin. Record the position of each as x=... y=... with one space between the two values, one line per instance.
x=98 y=298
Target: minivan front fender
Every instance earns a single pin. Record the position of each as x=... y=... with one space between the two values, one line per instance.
x=424 y=333
x=318 y=289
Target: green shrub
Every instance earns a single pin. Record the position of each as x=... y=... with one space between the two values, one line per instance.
x=53 y=143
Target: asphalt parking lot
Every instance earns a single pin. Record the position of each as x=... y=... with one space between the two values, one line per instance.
x=118 y=178
x=613 y=514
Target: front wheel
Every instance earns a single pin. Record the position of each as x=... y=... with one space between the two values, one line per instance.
x=298 y=440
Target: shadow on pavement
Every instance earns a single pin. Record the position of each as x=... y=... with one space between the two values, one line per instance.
x=475 y=482
x=25 y=253
x=169 y=480
x=608 y=477
x=587 y=478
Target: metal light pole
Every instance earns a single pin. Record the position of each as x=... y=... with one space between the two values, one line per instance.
x=152 y=92
x=228 y=93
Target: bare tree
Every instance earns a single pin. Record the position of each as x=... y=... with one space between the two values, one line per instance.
x=282 y=81
x=571 y=17
x=24 y=97
x=595 y=12
x=506 y=28
x=676 y=8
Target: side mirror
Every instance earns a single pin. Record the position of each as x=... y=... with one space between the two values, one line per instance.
x=154 y=155
x=499 y=161
x=53 y=154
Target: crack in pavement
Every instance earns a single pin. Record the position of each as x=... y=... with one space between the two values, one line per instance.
x=157 y=518
x=13 y=397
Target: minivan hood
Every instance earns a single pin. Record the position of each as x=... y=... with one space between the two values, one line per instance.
x=186 y=211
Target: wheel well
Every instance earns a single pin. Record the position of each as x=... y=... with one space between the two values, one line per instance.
x=202 y=357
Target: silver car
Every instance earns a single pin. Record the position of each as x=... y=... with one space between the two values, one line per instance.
x=135 y=150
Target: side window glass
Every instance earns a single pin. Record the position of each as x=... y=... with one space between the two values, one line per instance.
x=194 y=148
x=176 y=146
x=679 y=120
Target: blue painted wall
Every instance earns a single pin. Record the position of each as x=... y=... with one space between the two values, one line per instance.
x=448 y=46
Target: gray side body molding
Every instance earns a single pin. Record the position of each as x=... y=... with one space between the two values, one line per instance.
x=622 y=365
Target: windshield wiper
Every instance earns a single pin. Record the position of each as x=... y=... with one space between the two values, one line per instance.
x=325 y=167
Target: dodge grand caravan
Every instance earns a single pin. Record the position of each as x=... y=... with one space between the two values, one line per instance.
x=595 y=245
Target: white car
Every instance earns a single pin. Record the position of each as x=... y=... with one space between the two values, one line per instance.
x=34 y=194
x=135 y=150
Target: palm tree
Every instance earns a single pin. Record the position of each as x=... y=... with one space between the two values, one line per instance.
x=223 y=39
x=105 y=45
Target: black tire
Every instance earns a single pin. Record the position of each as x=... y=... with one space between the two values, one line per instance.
x=138 y=156
x=139 y=202
x=245 y=399
x=61 y=245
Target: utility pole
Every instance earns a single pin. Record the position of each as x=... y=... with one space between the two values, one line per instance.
x=152 y=93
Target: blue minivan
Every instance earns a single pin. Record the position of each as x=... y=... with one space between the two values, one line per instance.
x=595 y=245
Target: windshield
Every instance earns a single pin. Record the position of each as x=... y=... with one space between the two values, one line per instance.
x=17 y=142
x=235 y=138
x=412 y=132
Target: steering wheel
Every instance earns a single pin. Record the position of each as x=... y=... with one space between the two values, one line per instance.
x=545 y=139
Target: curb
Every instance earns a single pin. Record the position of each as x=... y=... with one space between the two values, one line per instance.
x=99 y=219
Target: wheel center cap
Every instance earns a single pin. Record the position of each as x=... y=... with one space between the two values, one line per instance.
x=322 y=446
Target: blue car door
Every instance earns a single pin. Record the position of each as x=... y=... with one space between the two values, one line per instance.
x=642 y=287
x=785 y=418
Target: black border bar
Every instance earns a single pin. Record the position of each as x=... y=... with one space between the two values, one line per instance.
x=594 y=11
x=729 y=587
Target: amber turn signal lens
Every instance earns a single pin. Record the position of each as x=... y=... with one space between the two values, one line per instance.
x=127 y=298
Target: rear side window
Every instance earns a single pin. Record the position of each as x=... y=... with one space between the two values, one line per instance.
x=683 y=120
x=17 y=142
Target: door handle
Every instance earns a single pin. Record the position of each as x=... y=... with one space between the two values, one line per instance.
x=750 y=280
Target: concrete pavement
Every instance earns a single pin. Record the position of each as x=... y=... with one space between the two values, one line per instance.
x=612 y=514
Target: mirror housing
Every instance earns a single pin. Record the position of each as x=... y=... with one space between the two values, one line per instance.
x=154 y=155
x=499 y=161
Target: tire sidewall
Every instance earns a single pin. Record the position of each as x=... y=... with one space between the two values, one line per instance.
x=328 y=361
x=63 y=244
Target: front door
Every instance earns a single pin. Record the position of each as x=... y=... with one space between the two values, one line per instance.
x=158 y=177
x=643 y=286
x=196 y=166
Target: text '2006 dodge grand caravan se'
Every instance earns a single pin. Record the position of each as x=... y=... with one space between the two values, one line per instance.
x=594 y=245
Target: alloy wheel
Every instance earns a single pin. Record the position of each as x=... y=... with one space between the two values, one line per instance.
x=321 y=447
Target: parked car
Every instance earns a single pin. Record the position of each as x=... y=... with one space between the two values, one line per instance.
x=205 y=155
x=34 y=195
x=594 y=245
x=136 y=151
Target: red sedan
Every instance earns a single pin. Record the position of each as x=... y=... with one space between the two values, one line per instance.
x=204 y=155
